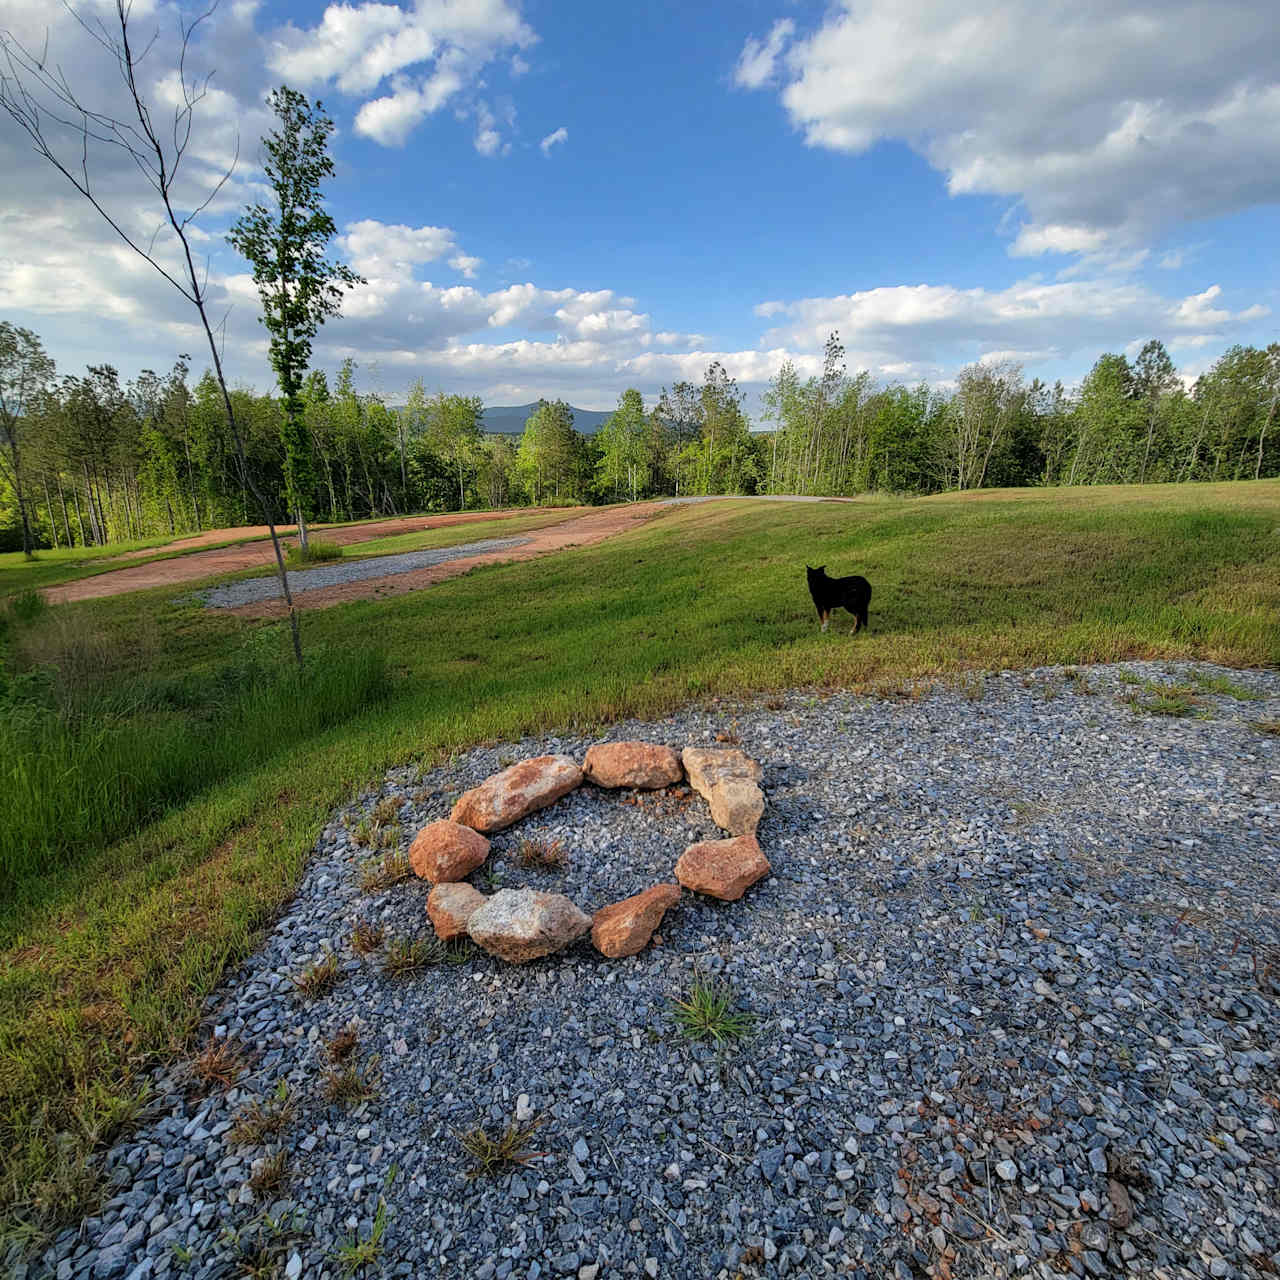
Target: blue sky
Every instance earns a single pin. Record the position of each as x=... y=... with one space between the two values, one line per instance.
x=566 y=199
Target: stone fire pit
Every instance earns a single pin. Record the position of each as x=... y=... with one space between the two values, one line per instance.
x=518 y=925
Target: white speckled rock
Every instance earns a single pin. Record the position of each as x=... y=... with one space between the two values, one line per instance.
x=519 y=925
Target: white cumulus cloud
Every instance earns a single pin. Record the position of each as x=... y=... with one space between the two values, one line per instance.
x=1108 y=120
x=425 y=55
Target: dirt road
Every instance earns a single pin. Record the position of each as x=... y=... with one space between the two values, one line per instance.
x=579 y=531
x=248 y=555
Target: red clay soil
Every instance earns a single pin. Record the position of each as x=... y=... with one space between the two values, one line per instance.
x=580 y=531
x=247 y=555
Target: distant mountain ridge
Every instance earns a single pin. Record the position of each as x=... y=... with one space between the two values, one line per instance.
x=509 y=420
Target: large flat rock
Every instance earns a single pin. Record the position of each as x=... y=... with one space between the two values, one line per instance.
x=522 y=789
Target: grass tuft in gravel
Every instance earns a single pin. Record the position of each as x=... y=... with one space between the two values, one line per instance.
x=269 y=1175
x=1223 y=686
x=343 y=1043
x=257 y=1121
x=349 y=1085
x=260 y=1249
x=381 y=873
x=405 y=955
x=491 y=1154
x=356 y=1254
x=541 y=855
x=219 y=1064
x=317 y=979
x=708 y=1013
x=366 y=937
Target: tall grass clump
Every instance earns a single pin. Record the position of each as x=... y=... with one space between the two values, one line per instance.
x=28 y=605
x=317 y=551
x=79 y=772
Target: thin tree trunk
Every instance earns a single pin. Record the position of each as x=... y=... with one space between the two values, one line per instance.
x=1146 y=457
x=1194 y=456
x=62 y=497
x=75 y=494
x=95 y=505
x=53 y=519
x=191 y=479
x=137 y=502
x=328 y=480
x=1262 y=435
x=93 y=514
x=129 y=523
x=27 y=550
x=404 y=474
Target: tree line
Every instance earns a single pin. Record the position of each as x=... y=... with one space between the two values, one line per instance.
x=89 y=459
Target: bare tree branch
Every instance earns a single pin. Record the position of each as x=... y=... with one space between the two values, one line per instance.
x=29 y=76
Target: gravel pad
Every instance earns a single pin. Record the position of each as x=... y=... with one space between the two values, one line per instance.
x=255 y=590
x=1014 y=981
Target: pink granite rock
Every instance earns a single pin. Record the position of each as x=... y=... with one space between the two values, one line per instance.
x=726 y=779
x=722 y=868
x=645 y=765
x=450 y=906
x=447 y=851
x=508 y=796
x=518 y=925
x=623 y=928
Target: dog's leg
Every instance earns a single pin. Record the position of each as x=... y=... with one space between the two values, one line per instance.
x=826 y=617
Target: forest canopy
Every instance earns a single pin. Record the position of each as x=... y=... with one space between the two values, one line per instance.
x=99 y=460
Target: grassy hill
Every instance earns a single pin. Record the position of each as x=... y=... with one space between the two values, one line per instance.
x=167 y=772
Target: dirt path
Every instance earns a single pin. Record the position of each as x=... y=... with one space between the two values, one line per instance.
x=581 y=531
x=248 y=555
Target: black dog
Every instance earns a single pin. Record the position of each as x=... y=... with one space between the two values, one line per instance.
x=852 y=593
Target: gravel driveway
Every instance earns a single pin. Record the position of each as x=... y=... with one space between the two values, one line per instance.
x=1014 y=981
x=255 y=590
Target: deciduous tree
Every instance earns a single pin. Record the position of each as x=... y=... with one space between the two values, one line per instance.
x=25 y=371
x=300 y=288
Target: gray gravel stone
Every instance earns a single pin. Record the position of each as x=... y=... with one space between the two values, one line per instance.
x=1022 y=951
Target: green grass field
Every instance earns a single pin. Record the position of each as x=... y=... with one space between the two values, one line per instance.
x=120 y=917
